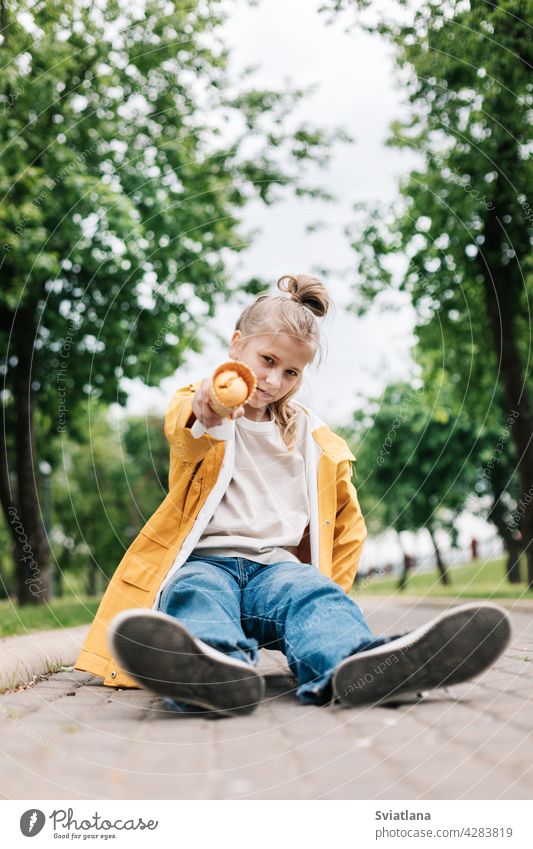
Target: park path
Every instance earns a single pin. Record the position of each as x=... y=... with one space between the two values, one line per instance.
x=68 y=737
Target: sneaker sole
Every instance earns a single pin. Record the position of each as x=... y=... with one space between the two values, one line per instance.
x=452 y=648
x=158 y=652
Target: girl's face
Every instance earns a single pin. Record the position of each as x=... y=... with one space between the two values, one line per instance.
x=278 y=361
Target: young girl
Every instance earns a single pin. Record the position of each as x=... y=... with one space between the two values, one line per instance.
x=257 y=545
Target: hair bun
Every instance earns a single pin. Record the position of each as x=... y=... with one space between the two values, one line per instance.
x=307 y=291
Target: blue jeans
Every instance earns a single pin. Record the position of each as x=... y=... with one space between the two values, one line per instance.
x=239 y=606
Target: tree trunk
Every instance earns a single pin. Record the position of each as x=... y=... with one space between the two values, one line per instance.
x=502 y=287
x=32 y=555
x=402 y=583
x=498 y=516
x=513 y=562
x=441 y=566
x=407 y=564
x=28 y=567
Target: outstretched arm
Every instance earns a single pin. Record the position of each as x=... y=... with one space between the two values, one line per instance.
x=179 y=413
x=191 y=404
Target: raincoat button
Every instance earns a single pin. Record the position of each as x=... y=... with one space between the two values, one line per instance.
x=113 y=674
x=328 y=521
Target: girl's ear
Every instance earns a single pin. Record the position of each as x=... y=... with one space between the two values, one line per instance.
x=233 y=349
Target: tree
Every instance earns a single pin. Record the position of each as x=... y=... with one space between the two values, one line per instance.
x=90 y=502
x=128 y=154
x=105 y=487
x=413 y=464
x=492 y=448
x=463 y=223
x=147 y=466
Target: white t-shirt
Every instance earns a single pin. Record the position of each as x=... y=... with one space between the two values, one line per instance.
x=265 y=509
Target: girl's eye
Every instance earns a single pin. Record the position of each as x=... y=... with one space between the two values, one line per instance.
x=265 y=357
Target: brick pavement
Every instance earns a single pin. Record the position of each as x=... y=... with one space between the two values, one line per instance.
x=68 y=737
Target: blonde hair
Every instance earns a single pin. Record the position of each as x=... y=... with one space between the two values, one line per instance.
x=294 y=315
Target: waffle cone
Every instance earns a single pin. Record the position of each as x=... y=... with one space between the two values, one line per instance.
x=243 y=371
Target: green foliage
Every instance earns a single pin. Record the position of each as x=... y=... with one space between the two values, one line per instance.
x=414 y=466
x=147 y=453
x=106 y=489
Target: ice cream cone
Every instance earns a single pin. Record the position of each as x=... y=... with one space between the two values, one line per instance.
x=232 y=392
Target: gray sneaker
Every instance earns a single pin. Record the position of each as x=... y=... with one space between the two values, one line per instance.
x=455 y=646
x=158 y=651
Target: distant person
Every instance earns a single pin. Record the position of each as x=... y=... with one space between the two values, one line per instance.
x=257 y=545
x=474 y=548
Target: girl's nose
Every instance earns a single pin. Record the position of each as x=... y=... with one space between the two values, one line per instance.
x=273 y=383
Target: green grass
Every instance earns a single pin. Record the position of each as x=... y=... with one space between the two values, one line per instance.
x=476 y=580
x=59 y=613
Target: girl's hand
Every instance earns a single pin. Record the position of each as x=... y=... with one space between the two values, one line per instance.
x=236 y=414
x=202 y=409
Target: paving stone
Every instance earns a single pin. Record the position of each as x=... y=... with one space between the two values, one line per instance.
x=69 y=737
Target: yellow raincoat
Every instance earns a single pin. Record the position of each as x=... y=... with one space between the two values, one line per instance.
x=201 y=467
